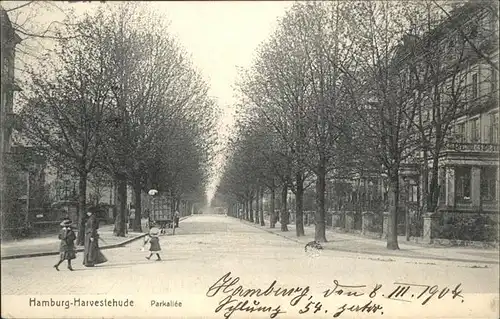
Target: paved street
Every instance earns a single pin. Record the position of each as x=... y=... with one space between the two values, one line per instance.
x=206 y=247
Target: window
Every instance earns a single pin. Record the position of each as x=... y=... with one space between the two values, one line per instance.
x=403 y=77
x=488 y=183
x=426 y=115
x=462 y=183
x=413 y=193
x=494 y=80
x=473 y=31
x=461 y=133
x=474 y=86
x=451 y=44
x=474 y=131
x=493 y=129
x=5 y=67
x=441 y=183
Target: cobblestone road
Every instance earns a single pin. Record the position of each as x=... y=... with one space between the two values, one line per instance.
x=207 y=247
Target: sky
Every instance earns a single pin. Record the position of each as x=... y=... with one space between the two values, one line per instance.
x=220 y=36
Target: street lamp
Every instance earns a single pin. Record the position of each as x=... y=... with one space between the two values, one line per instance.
x=152 y=193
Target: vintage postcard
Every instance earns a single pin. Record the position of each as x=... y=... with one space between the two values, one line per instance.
x=249 y=159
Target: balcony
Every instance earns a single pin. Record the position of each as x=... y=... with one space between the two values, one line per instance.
x=465 y=206
x=490 y=206
x=472 y=147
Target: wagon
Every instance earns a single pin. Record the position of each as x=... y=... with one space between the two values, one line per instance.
x=161 y=214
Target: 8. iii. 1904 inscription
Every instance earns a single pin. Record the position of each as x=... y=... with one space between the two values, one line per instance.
x=366 y=299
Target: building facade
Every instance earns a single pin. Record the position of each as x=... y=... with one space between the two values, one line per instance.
x=449 y=76
x=8 y=119
x=468 y=160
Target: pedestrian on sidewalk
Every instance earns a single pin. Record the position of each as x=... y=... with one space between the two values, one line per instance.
x=67 y=245
x=92 y=253
x=154 y=243
x=176 y=218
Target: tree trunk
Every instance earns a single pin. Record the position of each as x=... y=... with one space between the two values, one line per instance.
x=257 y=205
x=299 y=205
x=138 y=207
x=406 y=189
x=272 y=222
x=284 y=211
x=82 y=209
x=178 y=204
x=320 y=229
x=247 y=210
x=434 y=187
x=261 y=208
x=392 y=231
x=172 y=201
x=425 y=185
x=250 y=210
x=121 y=198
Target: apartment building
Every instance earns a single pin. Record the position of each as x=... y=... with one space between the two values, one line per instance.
x=9 y=122
x=468 y=162
x=448 y=71
x=457 y=113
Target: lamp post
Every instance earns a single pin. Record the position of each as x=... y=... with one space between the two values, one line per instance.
x=152 y=193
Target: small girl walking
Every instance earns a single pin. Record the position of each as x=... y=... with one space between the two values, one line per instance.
x=67 y=245
x=154 y=243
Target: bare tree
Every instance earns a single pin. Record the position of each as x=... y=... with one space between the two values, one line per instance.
x=64 y=109
x=38 y=33
x=153 y=84
x=491 y=27
x=277 y=85
x=324 y=40
x=384 y=107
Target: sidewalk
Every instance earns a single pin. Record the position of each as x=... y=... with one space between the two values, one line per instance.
x=45 y=246
x=362 y=245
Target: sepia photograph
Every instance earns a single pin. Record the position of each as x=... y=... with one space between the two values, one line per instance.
x=250 y=159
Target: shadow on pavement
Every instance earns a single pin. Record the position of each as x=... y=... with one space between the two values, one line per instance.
x=145 y=262
x=193 y=233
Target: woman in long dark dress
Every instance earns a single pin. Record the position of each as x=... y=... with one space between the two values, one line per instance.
x=92 y=254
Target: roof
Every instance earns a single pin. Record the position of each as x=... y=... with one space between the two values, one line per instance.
x=8 y=32
x=457 y=17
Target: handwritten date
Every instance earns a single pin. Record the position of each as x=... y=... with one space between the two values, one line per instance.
x=423 y=293
x=368 y=299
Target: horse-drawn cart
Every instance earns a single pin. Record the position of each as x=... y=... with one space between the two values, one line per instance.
x=161 y=214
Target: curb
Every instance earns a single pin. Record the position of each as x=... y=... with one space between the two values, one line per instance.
x=79 y=250
x=490 y=262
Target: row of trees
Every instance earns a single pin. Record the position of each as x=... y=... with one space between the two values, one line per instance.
x=350 y=88
x=118 y=96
